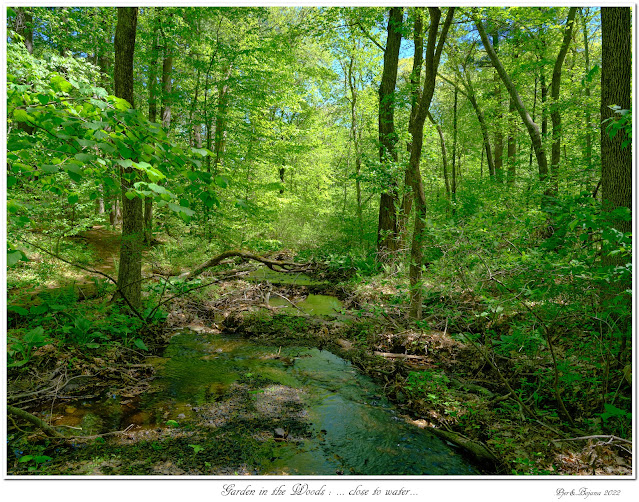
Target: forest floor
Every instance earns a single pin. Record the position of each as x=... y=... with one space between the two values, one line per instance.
x=435 y=380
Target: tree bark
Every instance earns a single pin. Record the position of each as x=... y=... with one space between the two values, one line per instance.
x=531 y=126
x=442 y=143
x=512 y=145
x=24 y=27
x=555 y=113
x=499 y=135
x=616 y=78
x=356 y=135
x=415 y=77
x=153 y=111
x=387 y=231
x=130 y=269
x=470 y=94
x=588 y=151
x=433 y=54
x=220 y=120
x=167 y=68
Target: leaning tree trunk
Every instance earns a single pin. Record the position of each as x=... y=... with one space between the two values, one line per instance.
x=499 y=134
x=387 y=224
x=415 y=77
x=130 y=270
x=533 y=129
x=433 y=54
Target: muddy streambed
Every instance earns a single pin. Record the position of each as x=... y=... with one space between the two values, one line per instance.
x=308 y=411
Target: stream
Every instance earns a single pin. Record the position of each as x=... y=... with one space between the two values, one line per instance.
x=320 y=414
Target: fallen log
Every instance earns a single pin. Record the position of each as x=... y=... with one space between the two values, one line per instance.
x=478 y=450
x=276 y=265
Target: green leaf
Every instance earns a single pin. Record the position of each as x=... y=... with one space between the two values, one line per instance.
x=125 y=162
x=221 y=181
x=85 y=142
x=13 y=257
x=172 y=423
x=11 y=180
x=50 y=169
x=18 y=310
x=93 y=345
x=140 y=344
x=106 y=147
x=60 y=84
x=20 y=115
x=73 y=198
x=85 y=157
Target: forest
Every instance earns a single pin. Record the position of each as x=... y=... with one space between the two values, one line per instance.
x=319 y=241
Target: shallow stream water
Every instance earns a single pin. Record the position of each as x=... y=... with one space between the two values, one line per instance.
x=350 y=428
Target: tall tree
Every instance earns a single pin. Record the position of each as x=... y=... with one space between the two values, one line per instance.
x=555 y=113
x=616 y=78
x=24 y=27
x=130 y=269
x=433 y=54
x=531 y=126
x=387 y=225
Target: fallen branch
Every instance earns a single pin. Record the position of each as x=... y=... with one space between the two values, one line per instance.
x=276 y=265
x=390 y=355
x=25 y=415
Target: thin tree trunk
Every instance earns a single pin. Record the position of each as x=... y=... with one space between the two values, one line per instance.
x=512 y=145
x=555 y=113
x=442 y=144
x=167 y=69
x=407 y=199
x=499 y=135
x=387 y=231
x=153 y=63
x=533 y=129
x=220 y=122
x=454 y=167
x=358 y=156
x=588 y=152
x=24 y=27
x=433 y=54
x=130 y=269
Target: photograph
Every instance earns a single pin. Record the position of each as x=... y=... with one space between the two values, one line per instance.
x=330 y=250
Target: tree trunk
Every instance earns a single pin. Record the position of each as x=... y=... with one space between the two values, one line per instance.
x=588 y=151
x=454 y=166
x=220 y=120
x=130 y=270
x=555 y=113
x=470 y=94
x=387 y=233
x=616 y=78
x=167 y=68
x=499 y=135
x=512 y=145
x=442 y=143
x=355 y=134
x=24 y=27
x=415 y=76
x=153 y=111
x=433 y=54
x=533 y=129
